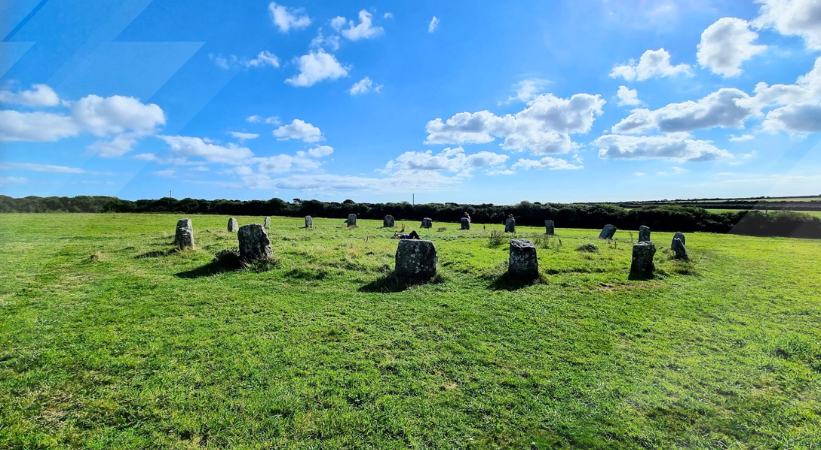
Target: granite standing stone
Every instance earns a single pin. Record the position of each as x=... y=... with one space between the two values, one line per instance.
x=549 y=227
x=644 y=233
x=522 y=263
x=642 y=263
x=253 y=243
x=679 y=249
x=388 y=221
x=309 y=222
x=510 y=225
x=415 y=260
x=427 y=222
x=679 y=235
x=184 y=235
x=608 y=232
x=351 y=222
x=267 y=222
x=233 y=225
x=465 y=222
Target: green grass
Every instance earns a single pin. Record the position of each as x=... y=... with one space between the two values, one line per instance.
x=108 y=340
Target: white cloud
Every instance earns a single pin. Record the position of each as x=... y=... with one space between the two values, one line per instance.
x=354 y=32
x=801 y=118
x=793 y=18
x=797 y=104
x=330 y=42
x=242 y=136
x=627 y=96
x=652 y=64
x=387 y=15
x=543 y=126
x=270 y=120
x=741 y=138
x=657 y=147
x=365 y=86
x=286 y=18
x=300 y=130
x=263 y=59
x=546 y=162
x=36 y=126
x=450 y=160
x=38 y=95
x=146 y=157
x=46 y=168
x=726 y=44
x=117 y=146
x=116 y=114
x=317 y=66
x=320 y=151
x=433 y=24
x=189 y=146
x=526 y=90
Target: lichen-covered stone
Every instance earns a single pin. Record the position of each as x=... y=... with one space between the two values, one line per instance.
x=233 y=225
x=510 y=225
x=267 y=222
x=351 y=221
x=309 y=222
x=388 y=221
x=679 y=235
x=465 y=223
x=549 y=227
x=522 y=262
x=254 y=244
x=415 y=260
x=642 y=265
x=608 y=232
x=644 y=233
x=184 y=235
x=427 y=222
x=679 y=250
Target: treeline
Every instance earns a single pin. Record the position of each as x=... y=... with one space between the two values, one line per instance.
x=766 y=205
x=584 y=215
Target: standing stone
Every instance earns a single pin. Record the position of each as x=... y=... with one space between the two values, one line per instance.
x=233 y=225
x=522 y=263
x=549 y=227
x=267 y=222
x=679 y=249
x=309 y=222
x=465 y=222
x=642 y=263
x=644 y=233
x=388 y=221
x=608 y=232
x=510 y=225
x=253 y=243
x=415 y=260
x=427 y=222
x=351 y=222
x=184 y=236
x=679 y=235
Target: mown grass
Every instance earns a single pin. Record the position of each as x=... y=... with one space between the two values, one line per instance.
x=110 y=339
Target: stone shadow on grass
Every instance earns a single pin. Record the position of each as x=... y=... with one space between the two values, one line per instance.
x=393 y=283
x=506 y=282
x=157 y=253
x=226 y=261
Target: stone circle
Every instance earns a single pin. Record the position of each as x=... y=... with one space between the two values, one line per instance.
x=642 y=265
x=254 y=244
x=608 y=231
x=415 y=260
x=184 y=235
x=522 y=262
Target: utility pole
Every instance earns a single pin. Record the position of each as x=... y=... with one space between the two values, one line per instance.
x=413 y=199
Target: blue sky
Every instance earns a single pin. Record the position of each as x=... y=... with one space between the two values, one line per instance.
x=454 y=101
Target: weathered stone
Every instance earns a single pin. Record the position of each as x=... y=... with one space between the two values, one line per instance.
x=549 y=227
x=644 y=233
x=415 y=260
x=233 y=225
x=510 y=225
x=253 y=243
x=184 y=235
x=351 y=221
x=427 y=222
x=267 y=222
x=608 y=232
x=679 y=235
x=465 y=222
x=523 y=263
x=309 y=222
x=388 y=221
x=641 y=265
x=679 y=249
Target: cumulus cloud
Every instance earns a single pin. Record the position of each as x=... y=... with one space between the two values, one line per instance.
x=741 y=138
x=195 y=147
x=453 y=161
x=37 y=95
x=793 y=18
x=627 y=96
x=36 y=126
x=433 y=24
x=365 y=86
x=796 y=105
x=287 y=19
x=270 y=120
x=263 y=59
x=546 y=162
x=116 y=114
x=651 y=64
x=673 y=147
x=726 y=44
x=317 y=66
x=300 y=130
x=526 y=90
x=356 y=31
x=242 y=136
x=543 y=126
x=330 y=42
x=319 y=151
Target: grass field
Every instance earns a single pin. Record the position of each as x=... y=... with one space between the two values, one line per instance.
x=110 y=340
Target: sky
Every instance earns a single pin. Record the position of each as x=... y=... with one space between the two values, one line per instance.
x=459 y=101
